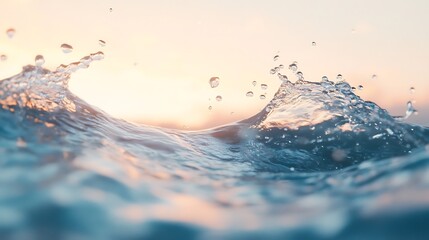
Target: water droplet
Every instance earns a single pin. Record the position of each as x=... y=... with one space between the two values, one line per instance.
x=39 y=60
x=282 y=77
x=273 y=71
x=102 y=43
x=325 y=78
x=300 y=75
x=110 y=9
x=219 y=98
x=269 y=108
x=412 y=90
x=281 y=66
x=293 y=67
x=410 y=110
x=360 y=87
x=264 y=86
x=262 y=97
x=254 y=83
x=66 y=48
x=210 y=107
x=249 y=94
x=374 y=77
x=313 y=44
x=292 y=169
x=97 y=56
x=10 y=32
x=339 y=77
x=214 y=82
x=276 y=57
x=3 y=57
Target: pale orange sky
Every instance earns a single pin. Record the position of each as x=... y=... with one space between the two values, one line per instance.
x=160 y=55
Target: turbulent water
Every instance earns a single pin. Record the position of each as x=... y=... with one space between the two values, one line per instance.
x=317 y=163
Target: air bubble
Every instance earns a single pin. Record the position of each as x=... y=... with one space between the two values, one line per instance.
x=66 y=48
x=219 y=98
x=264 y=86
x=249 y=94
x=39 y=60
x=214 y=82
x=10 y=32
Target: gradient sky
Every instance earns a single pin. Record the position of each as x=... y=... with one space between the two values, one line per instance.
x=160 y=55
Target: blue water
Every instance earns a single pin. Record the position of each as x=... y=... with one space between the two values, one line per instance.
x=317 y=162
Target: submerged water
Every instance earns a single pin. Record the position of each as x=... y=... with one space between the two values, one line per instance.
x=317 y=162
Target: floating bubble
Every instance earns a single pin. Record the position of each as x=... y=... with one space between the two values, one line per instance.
x=293 y=67
x=10 y=32
x=360 y=87
x=412 y=90
x=254 y=83
x=66 y=48
x=313 y=44
x=219 y=98
x=102 y=43
x=276 y=57
x=264 y=86
x=339 y=77
x=3 y=58
x=214 y=82
x=39 y=60
x=249 y=94
x=374 y=77
x=262 y=97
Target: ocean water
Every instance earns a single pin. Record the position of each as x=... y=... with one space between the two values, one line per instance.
x=318 y=162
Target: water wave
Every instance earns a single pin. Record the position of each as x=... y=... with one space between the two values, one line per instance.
x=316 y=162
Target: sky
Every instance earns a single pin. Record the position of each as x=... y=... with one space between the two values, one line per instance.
x=160 y=55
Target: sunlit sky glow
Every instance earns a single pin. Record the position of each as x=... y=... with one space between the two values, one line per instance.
x=161 y=54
